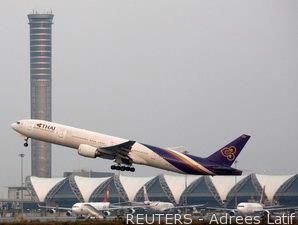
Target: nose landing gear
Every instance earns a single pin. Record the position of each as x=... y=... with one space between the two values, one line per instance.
x=123 y=168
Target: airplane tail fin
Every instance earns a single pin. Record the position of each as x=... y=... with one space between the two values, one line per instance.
x=262 y=199
x=228 y=154
x=146 y=198
x=106 y=197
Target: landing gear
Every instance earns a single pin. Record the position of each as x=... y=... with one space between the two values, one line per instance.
x=26 y=142
x=123 y=168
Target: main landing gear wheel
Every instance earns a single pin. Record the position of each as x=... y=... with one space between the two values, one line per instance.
x=26 y=142
x=123 y=168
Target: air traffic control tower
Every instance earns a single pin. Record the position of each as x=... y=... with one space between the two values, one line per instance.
x=41 y=87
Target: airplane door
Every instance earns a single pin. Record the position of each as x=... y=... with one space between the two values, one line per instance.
x=61 y=133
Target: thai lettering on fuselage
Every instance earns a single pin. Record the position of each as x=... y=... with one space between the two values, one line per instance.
x=45 y=126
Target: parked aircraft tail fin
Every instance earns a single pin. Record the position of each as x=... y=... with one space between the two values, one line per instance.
x=106 y=197
x=146 y=197
x=262 y=199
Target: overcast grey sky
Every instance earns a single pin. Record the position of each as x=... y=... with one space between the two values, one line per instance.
x=168 y=73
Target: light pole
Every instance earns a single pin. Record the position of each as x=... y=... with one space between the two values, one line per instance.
x=185 y=186
x=236 y=200
x=22 y=155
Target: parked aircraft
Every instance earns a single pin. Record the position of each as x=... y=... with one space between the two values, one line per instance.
x=97 y=210
x=161 y=206
x=254 y=208
x=125 y=153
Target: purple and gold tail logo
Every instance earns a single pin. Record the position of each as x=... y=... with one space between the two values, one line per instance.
x=229 y=153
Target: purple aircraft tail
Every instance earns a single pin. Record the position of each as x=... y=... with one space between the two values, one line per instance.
x=228 y=154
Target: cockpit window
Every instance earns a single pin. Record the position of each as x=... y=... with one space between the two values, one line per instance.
x=18 y=122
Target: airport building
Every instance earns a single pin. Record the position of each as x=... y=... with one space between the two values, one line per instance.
x=216 y=191
x=41 y=87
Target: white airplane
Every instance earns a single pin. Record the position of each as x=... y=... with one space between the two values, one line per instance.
x=126 y=152
x=97 y=210
x=160 y=206
x=254 y=208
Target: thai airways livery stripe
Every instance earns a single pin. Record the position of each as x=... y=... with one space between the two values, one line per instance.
x=180 y=161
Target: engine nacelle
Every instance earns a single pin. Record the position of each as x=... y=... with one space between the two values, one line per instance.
x=106 y=213
x=232 y=213
x=194 y=211
x=68 y=213
x=52 y=211
x=131 y=210
x=291 y=211
x=87 y=151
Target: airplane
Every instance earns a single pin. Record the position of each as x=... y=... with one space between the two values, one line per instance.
x=162 y=207
x=125 y=153
x=97 y=210
x=254 y=208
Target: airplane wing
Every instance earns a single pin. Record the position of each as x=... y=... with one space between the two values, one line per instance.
x=115 y=208
x=54 y=208
x=189 y=206
x=193 y=207
x=118 y=151
x=93 y=211
x=122 y=148
x=271 y=209
x=220 y=209
x=280 y=208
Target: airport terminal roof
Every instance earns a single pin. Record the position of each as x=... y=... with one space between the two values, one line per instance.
x=178 y=183
x=87 y=185
x=42 y=186
x=224 y=184
x=173 y=185
x=132 y=185
x=272 y=183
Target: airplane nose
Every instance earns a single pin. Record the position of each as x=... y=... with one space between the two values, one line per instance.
x=14 y=126
x=75 y=211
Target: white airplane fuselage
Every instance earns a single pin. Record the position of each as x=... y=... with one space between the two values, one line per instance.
x=249 y=208
x=160 y=206
x=81 y=208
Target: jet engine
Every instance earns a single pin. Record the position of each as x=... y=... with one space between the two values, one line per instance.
x=107 y=213
x=291 y=211
x=68 y=213
x=232 y=213
x=87 y=151
x=195 y=211
x=52 y=211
